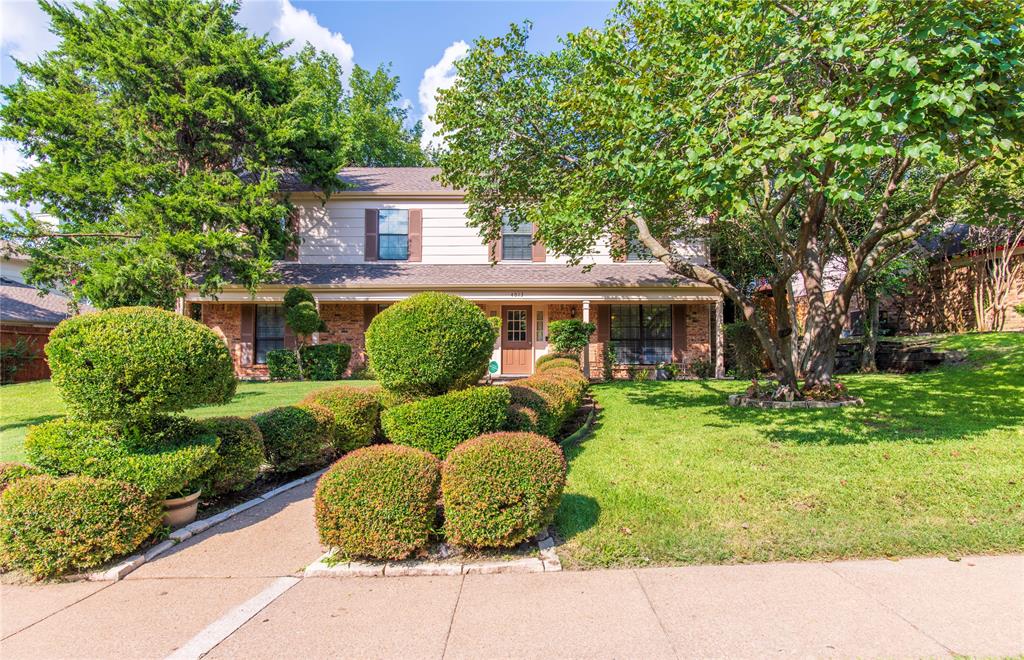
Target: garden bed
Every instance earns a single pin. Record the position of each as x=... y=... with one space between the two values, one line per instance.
x=741 y=401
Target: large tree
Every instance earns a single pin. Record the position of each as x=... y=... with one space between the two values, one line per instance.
x=159 y=132
x=796 y=126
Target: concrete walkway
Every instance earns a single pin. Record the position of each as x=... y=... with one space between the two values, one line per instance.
x=235 y=592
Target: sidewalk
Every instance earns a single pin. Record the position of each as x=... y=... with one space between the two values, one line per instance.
x=235 y=592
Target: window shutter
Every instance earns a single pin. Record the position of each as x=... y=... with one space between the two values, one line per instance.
x=247 y=335
x=370 y=245
x=369 y=311
x=604 y=323
x=415 y=234
x=539 y=252
x=678 y=333
x=494 y=250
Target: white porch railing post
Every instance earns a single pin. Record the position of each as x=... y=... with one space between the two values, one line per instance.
x=586 y=351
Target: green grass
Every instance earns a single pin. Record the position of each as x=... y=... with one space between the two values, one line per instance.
x=933 y=464
x=26 y=404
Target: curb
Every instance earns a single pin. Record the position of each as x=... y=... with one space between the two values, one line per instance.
x=548 y=562
x=126 y=566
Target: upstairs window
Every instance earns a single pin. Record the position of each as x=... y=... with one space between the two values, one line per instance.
x=517 y=242
x=393 y=234
x=269 y=330
x=641 y=334
x=635 y=249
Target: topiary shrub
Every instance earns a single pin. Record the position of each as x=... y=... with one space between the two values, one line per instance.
x=570 y=336
x=11 y=472
x=544 y=414
x=282 y=364
x=50 y=526
x=163 y=457
x=523 y=418
x=297 y=436
x=429 y=343
x=553 y=396
x=558 y=363
x=440 y=423
x=378 y=502
x=547 y=357
x=240 y=454
x=356 y=413
x=133 y=362
x=565 y=392
x=325 y=361
x=501 y=489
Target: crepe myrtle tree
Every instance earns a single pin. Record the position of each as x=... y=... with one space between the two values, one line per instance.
x=796 y=126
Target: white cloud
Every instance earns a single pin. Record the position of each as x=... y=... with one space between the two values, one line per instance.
x=283 y=22
x=12 y=161
x=24 y=31
x=437 y=77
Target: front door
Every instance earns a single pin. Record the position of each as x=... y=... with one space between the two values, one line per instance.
x=516 y=345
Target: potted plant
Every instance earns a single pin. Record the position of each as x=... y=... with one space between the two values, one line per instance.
x=180 y=510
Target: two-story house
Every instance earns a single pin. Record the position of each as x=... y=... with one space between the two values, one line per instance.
x=396 y=231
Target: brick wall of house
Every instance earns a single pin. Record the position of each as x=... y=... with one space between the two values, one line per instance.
x=226 y=320
x=345 y=325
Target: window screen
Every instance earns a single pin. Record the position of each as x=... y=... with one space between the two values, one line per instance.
x=393 y=234
x=642 y=334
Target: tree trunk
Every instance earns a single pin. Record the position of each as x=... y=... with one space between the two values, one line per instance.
x=821 y=350
x=870 y=343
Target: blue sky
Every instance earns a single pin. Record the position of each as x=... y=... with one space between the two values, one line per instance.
x=421 y=40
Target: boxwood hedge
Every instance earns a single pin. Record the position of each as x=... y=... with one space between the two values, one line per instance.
x=53 y=525
x=378 y=502
x=11 y=472
x=325 y=361
x=282 y=364
x=240 y=454
x=440 y=423
x=297 y=436
x=501 y=489
x=133 y=362
x=356 y=414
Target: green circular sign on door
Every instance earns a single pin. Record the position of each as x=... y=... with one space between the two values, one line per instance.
x=492 y=367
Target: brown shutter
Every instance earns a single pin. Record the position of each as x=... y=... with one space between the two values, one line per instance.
x=494 y=250
x=415 y=234
x=604 y=323
x=369 y=311
x=539 y=252
x=370 y=246
x=247 y=335
x=678 y=333
x=291 y=253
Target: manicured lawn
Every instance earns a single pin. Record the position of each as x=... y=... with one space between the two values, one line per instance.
x=933 y=464
x=33 y=403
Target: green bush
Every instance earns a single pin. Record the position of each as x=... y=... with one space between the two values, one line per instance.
x=439 y=423
x=133 y=362
x=50 y=526
x=743 y=350
x=429 y=343
x=559 y=363
x=378 y=502
x=501 y=489
x=544 y=414
x=547 y=357
x=11 y=472
x=297 y=436
x=566 y=391
x=356 y=414
x=570 y=336
x=283 y=365
x=522 y=417
x=163 y=457
x=240 y=454
x=325 y=361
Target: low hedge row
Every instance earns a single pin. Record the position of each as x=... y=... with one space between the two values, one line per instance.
x=440 y=423
x=554 y=355
x=319 y=362
x=11 y=472
x=551 y=397
x=498 y=490
x=240 y=455
x=52 y=525
x=297 y=437
x=557 y=363
x=356 y=413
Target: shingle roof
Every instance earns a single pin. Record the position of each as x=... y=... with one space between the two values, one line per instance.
x=21 y=303
x=381 y=180
x=420 y=276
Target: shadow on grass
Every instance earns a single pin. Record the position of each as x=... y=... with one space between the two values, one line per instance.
x=949 y=403
x=576 y=514
x=26 y=422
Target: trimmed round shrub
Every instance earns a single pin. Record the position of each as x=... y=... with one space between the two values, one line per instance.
x=440 y=423
x=522 y=418
x=554 y=355
x=356 y=415
x=133 y=362
x=325 y=361
x=557 y=363
x=297 y=436
x=50 y=526
x=11 y=472
x=378 y=502
x=282 y=364
x=296 y=295
x=163 y=456
x=303 y=318
x=533 y=410
x=501 y=489
x=240 y=454
x=429 y=343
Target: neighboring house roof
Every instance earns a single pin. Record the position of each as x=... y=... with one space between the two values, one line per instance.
x=380 y=181
x=21 y=303
x=419 y=276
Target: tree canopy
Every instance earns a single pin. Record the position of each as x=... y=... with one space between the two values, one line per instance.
x=808 y=131
x=159 y=131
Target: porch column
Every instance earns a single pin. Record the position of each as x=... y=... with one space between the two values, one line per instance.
x=586 y=351
x=179 y=305
x=719 y=339
x=316 y=335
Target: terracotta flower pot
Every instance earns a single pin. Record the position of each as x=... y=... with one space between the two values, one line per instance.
x=180 y=511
